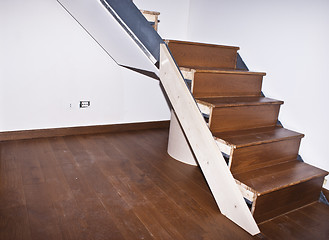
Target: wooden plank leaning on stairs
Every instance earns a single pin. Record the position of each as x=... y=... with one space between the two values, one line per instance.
x=220 y=180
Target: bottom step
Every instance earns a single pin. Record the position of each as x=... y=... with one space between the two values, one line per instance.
x=281 y=188
x=309 y=222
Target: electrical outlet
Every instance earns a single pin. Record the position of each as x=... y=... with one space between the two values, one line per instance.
x=84 y=104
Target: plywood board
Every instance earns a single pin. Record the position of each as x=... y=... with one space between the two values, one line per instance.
x=220 y=180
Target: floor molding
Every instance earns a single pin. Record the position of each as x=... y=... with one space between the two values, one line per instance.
x=58 y=132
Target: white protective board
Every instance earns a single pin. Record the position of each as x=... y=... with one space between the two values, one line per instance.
x=219 y=178
x=108 y=33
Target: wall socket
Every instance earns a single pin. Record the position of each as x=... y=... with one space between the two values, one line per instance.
x=84 y=104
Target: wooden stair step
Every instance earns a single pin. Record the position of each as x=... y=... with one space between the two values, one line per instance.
x=261 y=147
x=221 y=102
x=238 y=113
x=251 y=137
x=281 y=188
x=205 y=69
x=214 y=82
x=273 y=178
x=193 y=54
x=219 y=70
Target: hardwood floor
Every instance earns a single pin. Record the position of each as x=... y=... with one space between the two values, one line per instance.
x=310 y=222
x=109 y=186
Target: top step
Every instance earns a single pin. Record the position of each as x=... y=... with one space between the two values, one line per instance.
x=152 y=18
x=195 y=55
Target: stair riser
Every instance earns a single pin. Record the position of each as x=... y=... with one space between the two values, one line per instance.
x=225 y=84
x=284 y=200
x=244 y=117
x=252 y=157
x=203 y=56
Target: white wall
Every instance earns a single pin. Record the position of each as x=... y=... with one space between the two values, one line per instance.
x=49 y=63
x=288 y=40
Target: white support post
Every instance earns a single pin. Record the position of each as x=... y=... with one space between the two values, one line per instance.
x=178 y=147
x=220 y=180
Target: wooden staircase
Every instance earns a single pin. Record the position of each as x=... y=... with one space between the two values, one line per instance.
x=261 y=154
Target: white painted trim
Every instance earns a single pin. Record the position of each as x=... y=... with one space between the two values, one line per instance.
x=246 y=191
x=204 y=109
x=188 y=73
x=220 y=180
x=223 y=147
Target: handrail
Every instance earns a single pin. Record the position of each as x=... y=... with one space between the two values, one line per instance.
x=220 y=180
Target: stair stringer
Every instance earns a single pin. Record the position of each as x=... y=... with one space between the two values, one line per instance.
x=219 y=178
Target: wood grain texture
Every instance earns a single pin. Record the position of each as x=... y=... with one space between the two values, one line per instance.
x=57 y=132
x=243 y=117
x=291 y=230
x=241 y=113
x=273 y=178
x=287 y=199
x=223 y=83
x=263 y=155
x=105 y=186
x=251 y=137
x=189 y=54
x=309 y=222
x=201 y=44
x=222 y=102
x=14 y=224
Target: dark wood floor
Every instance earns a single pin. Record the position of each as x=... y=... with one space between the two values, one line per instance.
x=310 y=222
x=108 y=186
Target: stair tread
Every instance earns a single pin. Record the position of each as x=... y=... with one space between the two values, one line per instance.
x=250 y=137
x=200 y=44
x=219 y=70
x=272 y=178
x=237 y=101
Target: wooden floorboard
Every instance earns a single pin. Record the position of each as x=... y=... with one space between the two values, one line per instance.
x=108 y=186
x=307 y=223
